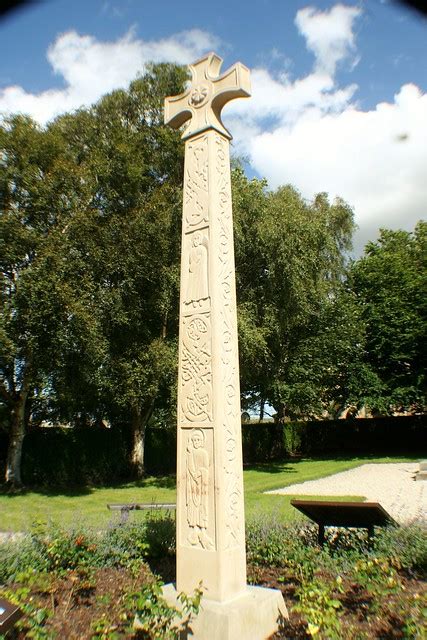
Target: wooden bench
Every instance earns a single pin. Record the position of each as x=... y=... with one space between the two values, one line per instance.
x=9 y=614
x=363 y=515
x=137 y=506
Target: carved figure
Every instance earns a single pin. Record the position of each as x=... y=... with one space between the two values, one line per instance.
x=197 y=286
x=197 y=489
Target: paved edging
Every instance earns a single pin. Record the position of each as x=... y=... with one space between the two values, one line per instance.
x=390 y=484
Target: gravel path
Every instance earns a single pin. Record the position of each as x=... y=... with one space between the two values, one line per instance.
x=392 y=485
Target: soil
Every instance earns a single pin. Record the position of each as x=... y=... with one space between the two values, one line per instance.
x=82 y=606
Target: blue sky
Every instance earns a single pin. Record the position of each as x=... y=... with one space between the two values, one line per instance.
x=338 y=101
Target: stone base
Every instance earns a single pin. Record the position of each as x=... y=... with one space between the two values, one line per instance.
x=255 y=615
x=421 y=475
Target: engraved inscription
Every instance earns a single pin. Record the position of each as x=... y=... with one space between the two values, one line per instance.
x=196 y=369
x=197 y=490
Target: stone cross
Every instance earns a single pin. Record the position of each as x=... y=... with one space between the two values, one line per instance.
x=210 y=508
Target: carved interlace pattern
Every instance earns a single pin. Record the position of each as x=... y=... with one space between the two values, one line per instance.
x=196 y=182
x=196 y=369
x=229 y=356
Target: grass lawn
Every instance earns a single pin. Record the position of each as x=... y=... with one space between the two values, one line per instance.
x=88 y=505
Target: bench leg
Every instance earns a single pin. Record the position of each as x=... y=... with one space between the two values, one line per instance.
x=124 y=515
x=321 y=535
x=370 y=535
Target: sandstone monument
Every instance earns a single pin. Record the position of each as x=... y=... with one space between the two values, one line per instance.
x=210 y=508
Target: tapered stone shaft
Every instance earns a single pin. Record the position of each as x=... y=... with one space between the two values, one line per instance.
x=210 y=508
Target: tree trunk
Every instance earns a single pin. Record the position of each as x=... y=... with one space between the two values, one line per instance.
x=140 y=419
x=280 y=415
x=261 y=410
x=16 y=439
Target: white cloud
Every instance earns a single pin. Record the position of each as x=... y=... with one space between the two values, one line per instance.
x=311 y=133
x=307 y=131
x=329 y=34
x=375 y=160
x=91 y=68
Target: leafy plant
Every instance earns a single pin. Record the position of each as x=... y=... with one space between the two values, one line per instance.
x=156 y=618
x=318 y=604
x=378 y=576
x=416 y=622
x=103 y=629
x=272 y=542
x=160 y=534
x=406 y=545
x=34 y=619
x=64 y=549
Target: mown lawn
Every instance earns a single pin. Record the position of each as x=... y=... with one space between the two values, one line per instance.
x=88 y=505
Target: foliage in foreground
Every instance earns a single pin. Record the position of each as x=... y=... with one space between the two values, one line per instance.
x=347 y=572
x=31 y=565
x=324 y=587
x=51 y=548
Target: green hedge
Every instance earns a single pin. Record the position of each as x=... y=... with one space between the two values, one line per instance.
x=67 y=457
x=406 y=434
x=78 y=456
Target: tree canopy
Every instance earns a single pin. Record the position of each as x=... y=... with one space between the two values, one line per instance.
x=298 y=330
x=90 y=218
x=390 y=285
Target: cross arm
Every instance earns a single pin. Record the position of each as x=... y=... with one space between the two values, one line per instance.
x=177 y=111
x=235 y=83
x=204 y=99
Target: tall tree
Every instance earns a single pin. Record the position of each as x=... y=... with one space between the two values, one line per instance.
x=90 y=211
x=129 y=243
x=390 y=283
x=39 y=188
x=291 y=259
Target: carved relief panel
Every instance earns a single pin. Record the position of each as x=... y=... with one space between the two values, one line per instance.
x=196 y=369
x=199 y=521
x=196 y=273
x=196 y=183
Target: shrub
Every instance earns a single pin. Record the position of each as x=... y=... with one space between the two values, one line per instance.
x=291 y=546
x=17 y=556
x=156 y=618
x=407 y=546
x=318 y=603
x=123 y=545
x=49 y=547
x=160 y=533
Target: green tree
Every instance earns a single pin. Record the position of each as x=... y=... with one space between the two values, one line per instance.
x=126 y=248
x=390 y=283
x=40 y=186
x=298 y=326
x=90 y=227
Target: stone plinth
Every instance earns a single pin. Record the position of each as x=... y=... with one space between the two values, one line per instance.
x=254 y=615
x=421 y=474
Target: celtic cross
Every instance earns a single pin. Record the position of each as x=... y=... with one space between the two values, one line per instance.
x=210 y=524
x=206 y=96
